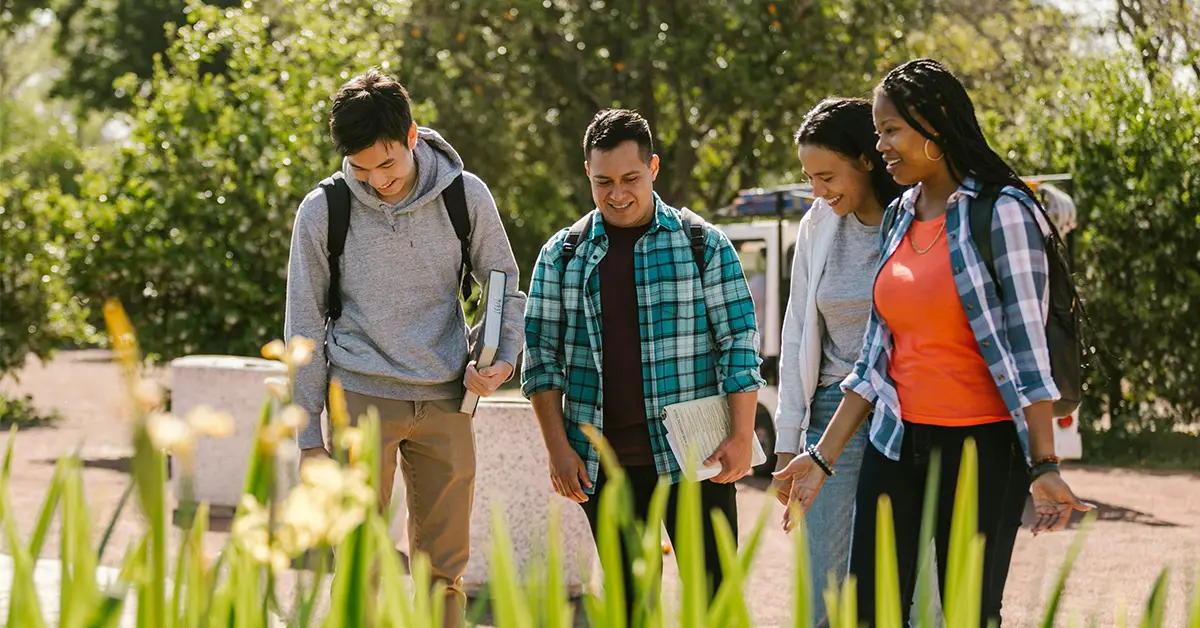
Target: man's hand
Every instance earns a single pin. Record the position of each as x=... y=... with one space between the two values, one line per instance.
x=782 y=487
x=734 y=454
x=806 y=478
x=313 y=452
x=568 y=473
x=1053 y=502
x=485 y=381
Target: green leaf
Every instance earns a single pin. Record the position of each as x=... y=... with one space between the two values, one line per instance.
x=1064 y=572
x=1156 y=606
x=887 y=575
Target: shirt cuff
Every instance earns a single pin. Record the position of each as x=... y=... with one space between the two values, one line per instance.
x=310 y=437
x=744 y=381
x=859 y=386
x=1045 y=390
x=788 y=440
x=541 y=382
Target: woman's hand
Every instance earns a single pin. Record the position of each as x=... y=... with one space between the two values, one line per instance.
x=1053 y=502
x=806 y=479
x=782 y=488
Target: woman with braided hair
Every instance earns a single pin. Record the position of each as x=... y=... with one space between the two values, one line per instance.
x=950 y=353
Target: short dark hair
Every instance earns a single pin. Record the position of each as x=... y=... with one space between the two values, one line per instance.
x=844 y=126
x=612 y=127
x=368 y=108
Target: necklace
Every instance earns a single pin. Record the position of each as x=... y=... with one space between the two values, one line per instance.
x=913 y=240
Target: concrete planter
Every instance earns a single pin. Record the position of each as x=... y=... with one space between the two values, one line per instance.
x=234 y=385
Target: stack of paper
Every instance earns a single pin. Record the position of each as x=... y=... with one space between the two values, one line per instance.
x=698 y=427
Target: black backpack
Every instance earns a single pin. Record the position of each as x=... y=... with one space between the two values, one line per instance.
x=696 y=236
x=337 y=198
x=1064 y=328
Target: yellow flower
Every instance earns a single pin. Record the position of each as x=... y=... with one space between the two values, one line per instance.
x=170 y=433
x=250 y=531
x=322 y=473
x=300 y=351
x=278 y=387
x=293 y=417
x=273 y=350
x=148 y=393
x=208 y=422
x=351 y=439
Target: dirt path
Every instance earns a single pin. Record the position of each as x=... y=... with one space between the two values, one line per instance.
x=1148 y=520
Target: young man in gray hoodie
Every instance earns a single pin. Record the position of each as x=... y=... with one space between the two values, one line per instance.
x=401 y=342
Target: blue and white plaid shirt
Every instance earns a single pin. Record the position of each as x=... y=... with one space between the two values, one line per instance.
x=1010 y=332
x=680 y=318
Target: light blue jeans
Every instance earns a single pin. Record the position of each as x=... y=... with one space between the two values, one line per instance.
x=831 y=518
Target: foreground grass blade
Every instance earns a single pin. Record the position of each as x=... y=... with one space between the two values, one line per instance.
x=24 y=610
x=556 y=611
x=729 y=606
x=926 y=568
x=802 y=602
x=78 y=573
x=1194 y=614
x=887 y=574
x=1064 y=572
x=46 y=515
x=690 y=555
x=964 y=573
x=509 y=601
x=112 y=522
x=1156 y=606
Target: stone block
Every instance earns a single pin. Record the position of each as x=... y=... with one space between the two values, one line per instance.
x=513 y=475
x=233 y=385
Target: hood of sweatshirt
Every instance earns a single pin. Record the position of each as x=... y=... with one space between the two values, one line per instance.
x=437 y=165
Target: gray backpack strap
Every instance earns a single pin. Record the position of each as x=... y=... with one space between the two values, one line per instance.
x=696 y=236
x=574 y=236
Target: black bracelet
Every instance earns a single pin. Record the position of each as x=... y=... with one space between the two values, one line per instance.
x=815 y=454
x=1041 y=469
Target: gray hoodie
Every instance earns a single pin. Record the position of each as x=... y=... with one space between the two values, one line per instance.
x=402 y=333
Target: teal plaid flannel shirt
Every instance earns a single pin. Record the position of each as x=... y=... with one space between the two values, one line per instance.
x=699 y=338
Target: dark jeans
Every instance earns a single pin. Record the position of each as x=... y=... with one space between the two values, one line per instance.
x=1003 y=489
x=642 y=481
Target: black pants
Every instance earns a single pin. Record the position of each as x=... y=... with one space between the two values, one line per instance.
x=1003 y=488
x=642 y=481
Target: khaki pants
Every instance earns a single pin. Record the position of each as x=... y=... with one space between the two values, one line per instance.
x=437 y=455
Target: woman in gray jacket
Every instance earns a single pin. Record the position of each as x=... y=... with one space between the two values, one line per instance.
x=837 y=251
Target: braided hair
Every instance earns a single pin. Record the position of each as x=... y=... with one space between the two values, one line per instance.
x=926 y=88
x=844 y=126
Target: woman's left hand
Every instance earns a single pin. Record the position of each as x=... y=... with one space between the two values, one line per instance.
x=1053 y=502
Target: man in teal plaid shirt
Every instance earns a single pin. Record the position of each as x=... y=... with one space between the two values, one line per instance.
x=627 y=320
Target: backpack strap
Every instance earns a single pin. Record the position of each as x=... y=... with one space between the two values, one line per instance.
x=455 y=199
x=574 y=236
x=696 y=237
x=694 y=223
x=337 y=201
x=981 y=209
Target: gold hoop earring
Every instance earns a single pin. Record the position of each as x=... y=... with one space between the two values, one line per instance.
x=925 y=149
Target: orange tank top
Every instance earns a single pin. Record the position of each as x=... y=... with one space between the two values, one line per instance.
x=940 y=375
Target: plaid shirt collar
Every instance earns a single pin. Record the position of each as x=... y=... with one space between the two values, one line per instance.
x=664 y=218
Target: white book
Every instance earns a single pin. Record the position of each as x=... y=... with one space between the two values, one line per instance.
x=487 y=332
x=698 y=427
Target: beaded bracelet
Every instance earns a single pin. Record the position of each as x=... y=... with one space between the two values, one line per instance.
x=820 y=460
